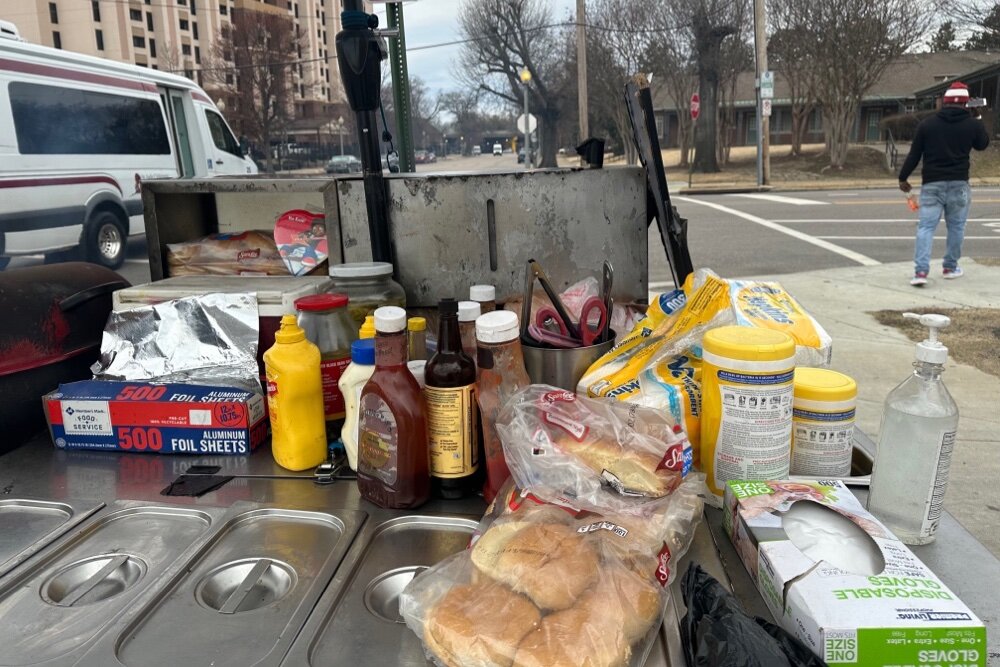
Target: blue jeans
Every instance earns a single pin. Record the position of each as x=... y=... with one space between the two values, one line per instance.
x=951 y=198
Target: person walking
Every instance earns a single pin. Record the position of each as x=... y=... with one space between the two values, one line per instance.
x=943 y=141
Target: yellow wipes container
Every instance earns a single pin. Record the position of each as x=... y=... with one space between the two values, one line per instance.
x=295 y=398
x=822 y=423
x=746 y=420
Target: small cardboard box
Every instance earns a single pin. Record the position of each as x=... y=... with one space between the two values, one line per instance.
x=898 y=613
x=156 y=418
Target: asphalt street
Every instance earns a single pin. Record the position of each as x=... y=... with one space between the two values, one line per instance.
x=775 y=233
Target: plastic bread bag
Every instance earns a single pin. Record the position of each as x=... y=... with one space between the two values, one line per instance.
x=252 y=253
x=549 y=585
x=596 y=454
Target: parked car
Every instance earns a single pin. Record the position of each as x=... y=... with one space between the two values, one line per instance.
x=343 y=164
x=477 y=150
x=78 y=135
x=424 y=157
x=520 y=156
x=497 y=149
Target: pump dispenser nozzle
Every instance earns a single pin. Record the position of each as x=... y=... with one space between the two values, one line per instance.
x=931 y=349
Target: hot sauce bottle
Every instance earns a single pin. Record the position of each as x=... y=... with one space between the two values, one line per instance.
x=392 y=441
x=452 y=411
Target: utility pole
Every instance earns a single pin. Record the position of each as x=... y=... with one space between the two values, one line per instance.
x=581 y=68
x=763 y=123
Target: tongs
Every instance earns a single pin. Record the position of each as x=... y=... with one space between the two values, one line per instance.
x=534 y=271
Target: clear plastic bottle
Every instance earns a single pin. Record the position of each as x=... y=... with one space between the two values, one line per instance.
x=919 y=422
x=416 y=331
x=501 y=375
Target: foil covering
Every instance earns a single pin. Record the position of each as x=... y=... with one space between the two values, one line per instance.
x=205 y=340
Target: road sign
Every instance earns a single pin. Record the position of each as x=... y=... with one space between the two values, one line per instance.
x=765 y=108
x=532 y=123
x=695 y=106
x=767 y=85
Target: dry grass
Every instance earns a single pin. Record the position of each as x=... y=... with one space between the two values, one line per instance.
x=972 y=339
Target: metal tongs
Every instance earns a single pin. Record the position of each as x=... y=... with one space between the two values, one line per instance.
x=533 y=271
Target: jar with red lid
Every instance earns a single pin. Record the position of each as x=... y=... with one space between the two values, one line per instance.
x=327 y=323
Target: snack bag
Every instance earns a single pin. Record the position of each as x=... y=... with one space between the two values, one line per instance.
x=550 y=585
x=598 y=454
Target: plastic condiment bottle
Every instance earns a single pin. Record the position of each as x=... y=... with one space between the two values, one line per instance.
x=501 y=373
x=822 y=423
x=392 y=442
x=416 y=330
x=351 y=383
x=915 y=444
x=485 y=295
x=452 y=417
x=325 y=320
x=367 y=329
x=746 y=404
x=468 y=312
x=295 y=398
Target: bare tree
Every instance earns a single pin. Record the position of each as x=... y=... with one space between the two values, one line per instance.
x=789 y=54
x=261 y=85
x=736 y=57
x=671 y=60
x=613 y=55
x=851 y=43
x=506 y=37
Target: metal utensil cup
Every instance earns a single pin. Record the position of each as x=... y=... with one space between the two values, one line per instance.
x=562 y=368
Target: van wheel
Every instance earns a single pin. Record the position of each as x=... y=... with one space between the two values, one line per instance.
x=105 y=240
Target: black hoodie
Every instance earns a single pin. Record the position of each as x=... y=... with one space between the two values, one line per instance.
x=944 y=141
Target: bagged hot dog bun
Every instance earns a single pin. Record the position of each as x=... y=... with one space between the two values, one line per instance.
x=550 y=563
x=636 y=470
x=576 y=637
x=479 y=625
x=625 y=600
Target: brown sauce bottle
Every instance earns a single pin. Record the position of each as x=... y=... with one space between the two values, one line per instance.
x=452 y=410
x=392 y=440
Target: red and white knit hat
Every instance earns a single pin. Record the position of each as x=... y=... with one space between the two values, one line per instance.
x=957 y=93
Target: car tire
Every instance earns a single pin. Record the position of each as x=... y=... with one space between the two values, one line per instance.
x=105 y=239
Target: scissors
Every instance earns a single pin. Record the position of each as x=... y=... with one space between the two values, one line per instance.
x=588 y=335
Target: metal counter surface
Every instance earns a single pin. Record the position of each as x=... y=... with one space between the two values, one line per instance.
x=39 y=470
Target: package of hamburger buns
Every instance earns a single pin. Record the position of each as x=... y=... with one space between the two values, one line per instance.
x=547 y=584
x=599 y=454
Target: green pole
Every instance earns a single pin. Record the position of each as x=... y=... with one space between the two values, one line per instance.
x=400 y=87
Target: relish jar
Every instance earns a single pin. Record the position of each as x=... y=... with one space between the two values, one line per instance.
x=369 y=285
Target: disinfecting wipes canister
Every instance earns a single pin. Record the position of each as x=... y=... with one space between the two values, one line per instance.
x=746 y=422
x=822 y=423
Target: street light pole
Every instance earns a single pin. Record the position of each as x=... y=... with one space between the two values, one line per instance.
x=525 y=78
x=340 y=133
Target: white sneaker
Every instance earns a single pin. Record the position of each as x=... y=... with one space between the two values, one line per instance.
x=919 y=279
x=951 y=274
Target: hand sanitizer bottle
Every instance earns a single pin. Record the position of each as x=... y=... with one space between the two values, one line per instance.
x=915 y=443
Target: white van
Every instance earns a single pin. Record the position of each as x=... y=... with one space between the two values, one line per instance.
x=78 y=135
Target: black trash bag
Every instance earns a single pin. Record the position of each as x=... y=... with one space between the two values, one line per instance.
x=716 y=632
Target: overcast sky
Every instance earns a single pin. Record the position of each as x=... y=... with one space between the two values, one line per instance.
x=434 y=22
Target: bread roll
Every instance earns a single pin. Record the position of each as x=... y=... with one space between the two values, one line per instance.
x=576 y=637
x=627 y=602
x=635 y=469
x=549 y=562
x=479 y=625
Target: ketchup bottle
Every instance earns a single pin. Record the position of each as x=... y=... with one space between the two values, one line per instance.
x=392 y=441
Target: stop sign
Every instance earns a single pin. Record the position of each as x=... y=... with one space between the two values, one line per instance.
x=695 y=106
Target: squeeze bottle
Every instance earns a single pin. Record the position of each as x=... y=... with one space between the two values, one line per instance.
x=351 y=383
x=915 y=443
x=295 y=398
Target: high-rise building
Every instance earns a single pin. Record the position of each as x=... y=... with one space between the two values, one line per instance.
x=182 y=36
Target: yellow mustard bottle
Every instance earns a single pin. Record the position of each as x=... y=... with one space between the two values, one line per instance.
x=295 y=398
x=746 y=405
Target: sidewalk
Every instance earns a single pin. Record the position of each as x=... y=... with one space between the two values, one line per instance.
x=879 y=357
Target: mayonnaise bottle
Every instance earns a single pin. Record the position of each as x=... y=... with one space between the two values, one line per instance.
x=351 y=383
